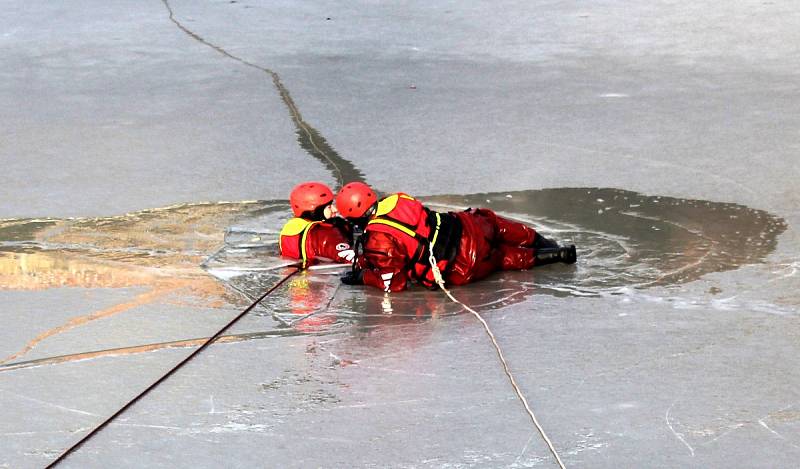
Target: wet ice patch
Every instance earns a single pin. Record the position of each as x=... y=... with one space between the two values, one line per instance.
x=627 y=242
x=631 y=240
x=226 y=274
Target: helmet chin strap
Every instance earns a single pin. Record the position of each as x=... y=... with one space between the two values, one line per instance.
x=361 y=222
x=371 y=211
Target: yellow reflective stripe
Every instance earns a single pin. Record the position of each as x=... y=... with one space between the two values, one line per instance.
x=395 y=225
x=294 y=227
x=436 y=230
x=303 y=255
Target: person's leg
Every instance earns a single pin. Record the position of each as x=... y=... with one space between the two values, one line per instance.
x=483 y=267
x=509 y=232
x=480 y=252
x=513 y=233
x=476 y=257
x=517 y=258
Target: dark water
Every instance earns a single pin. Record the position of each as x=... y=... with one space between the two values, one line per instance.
x=626 y=239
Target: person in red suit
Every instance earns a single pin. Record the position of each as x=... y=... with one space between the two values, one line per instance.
x=467 y=246
x=315 y=231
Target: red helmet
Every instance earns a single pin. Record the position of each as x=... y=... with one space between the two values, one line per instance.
x=308 y=196
x=355 y=199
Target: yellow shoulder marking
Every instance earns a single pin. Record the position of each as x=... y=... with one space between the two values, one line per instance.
x=294 y=227
x=387 y=205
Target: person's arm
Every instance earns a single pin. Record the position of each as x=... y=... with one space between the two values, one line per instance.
x=328 y=241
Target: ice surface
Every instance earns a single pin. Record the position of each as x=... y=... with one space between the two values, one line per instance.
x=673 y=342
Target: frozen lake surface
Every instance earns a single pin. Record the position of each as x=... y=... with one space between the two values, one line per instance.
x=149 y=148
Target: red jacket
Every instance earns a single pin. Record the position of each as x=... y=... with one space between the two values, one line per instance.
x=397 y=243
x=308 y=240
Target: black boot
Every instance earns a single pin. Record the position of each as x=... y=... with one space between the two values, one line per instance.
x=567 y=255
x=540 y=242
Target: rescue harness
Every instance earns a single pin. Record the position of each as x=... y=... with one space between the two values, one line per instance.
x=405 y=214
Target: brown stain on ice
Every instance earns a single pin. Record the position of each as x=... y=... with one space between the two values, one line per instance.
x=159 y=249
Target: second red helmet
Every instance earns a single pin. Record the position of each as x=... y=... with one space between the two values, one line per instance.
x=355 y=199
x=308 y=196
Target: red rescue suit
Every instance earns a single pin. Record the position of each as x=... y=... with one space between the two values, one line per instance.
x=467 y=245
x=308 y=240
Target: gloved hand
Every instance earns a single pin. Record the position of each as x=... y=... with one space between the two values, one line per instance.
x=346 y=254
x=353 y=277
